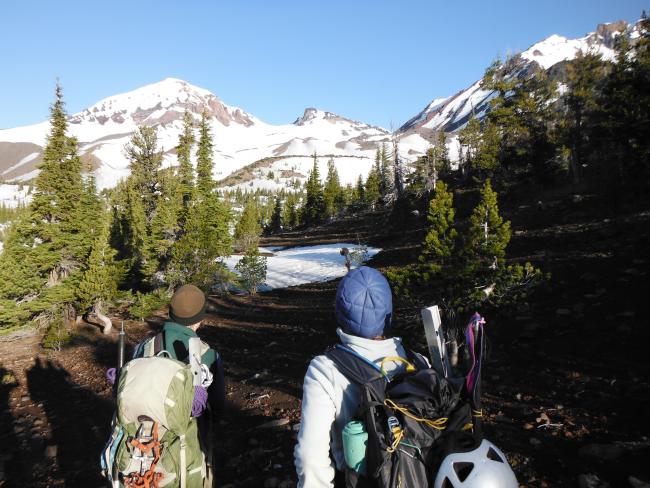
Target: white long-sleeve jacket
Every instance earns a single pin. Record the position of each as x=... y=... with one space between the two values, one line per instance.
x=329 y=401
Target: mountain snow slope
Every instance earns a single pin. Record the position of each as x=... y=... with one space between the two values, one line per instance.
x=261 y=155
x=239 y=137
x=452 y=113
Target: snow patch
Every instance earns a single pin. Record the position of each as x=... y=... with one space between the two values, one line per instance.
x=25 y=160
x=307 y=264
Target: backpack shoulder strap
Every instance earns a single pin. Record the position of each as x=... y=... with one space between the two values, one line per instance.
x=150 y=347
x=353 y=366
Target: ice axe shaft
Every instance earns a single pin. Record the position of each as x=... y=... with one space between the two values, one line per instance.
x=435 y=340
x=120 y=348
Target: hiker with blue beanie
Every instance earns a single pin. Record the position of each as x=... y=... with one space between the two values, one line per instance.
x=363 y=309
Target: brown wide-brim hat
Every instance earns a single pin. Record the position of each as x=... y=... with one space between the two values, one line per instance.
x=188 y=305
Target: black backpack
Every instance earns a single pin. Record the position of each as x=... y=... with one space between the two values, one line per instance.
x=413 y=419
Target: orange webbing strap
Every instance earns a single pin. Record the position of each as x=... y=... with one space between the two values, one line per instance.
x=150 y=478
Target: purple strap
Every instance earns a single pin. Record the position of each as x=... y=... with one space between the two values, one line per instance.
x=474 y=337
x=110 y=375
x=200 y=401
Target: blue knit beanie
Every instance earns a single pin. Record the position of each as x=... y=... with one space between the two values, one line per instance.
x=364 y=303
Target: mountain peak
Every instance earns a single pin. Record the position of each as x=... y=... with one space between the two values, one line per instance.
x=312 y=113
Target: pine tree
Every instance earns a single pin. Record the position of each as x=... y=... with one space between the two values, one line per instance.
x=314 y=207
x=252 y=268
x=618 y=143
x=276 y=219
x=372 y=193
x=166 y=222
x=583 y=73
x=359 y=192
x=42 y=253
x=204 y=182
x=438 y=247
x=332 y=192
x=248 y=229
x=469 y=139
x=137 y=244
x=429 y=168
x=89 y=216
x=206 y=237
x=488 y=235
x=185 y=170
x=145 y=161
x=386 y=183
x=290 y=214
x=442 y=154
x=486 y=160
x=398 y=171
x=98 y=284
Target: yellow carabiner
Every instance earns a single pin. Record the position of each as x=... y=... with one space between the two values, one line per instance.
x=397 y=359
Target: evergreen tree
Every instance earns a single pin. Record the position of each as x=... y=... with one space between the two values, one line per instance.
x=248 y=229
x=486 y=160
x=359 y=192
x=442 y=154
x=137 y=244
x=503 y=114
x=290 y=215
x=252 y=268
x=372 y=193
x=204 y=165
x=166 y=222
x=145 y=160
x=206 y=237
x=488 y=235
x=386 y=183
x=583 y=74
x=276 y=219
x=429 y=168
x=98 y=284
x=314 y=207
x=185 y=170
x=90 y=213
x=332 y=192
x=398 y=172
x=42 y=253
x=437 y=265
x=439 y=244
x=469 y=139
x=618 y=143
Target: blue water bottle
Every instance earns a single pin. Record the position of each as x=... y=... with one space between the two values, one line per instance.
x=355 y=442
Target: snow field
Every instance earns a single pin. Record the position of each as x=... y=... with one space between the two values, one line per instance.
x=300 y=265
x=12 y=196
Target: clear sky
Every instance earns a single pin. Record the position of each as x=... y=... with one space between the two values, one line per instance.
x=377 y=61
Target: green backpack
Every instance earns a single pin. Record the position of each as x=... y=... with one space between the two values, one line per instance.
x=154 y=440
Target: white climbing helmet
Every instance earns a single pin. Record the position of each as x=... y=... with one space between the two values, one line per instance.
x=484 y=467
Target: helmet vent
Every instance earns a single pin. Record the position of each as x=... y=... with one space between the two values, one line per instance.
x=447 y=483
x=494 y=456
x=463 y=470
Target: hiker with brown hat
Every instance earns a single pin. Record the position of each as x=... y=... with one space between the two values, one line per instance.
x=187 y=310
x=167 y=398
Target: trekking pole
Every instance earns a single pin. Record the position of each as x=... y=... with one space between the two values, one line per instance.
x=120 y=363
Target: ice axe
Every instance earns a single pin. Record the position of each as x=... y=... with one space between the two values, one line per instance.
x=435 y=340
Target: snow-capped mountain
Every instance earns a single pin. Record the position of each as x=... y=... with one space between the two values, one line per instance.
x=240 y=138
x=250 y=153
x=452 y=113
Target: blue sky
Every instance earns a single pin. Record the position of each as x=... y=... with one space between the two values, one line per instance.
x=376 y=61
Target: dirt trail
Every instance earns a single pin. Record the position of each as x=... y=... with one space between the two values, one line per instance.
x=566 y=384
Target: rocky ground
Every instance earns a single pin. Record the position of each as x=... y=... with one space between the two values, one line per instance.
x=566 y=385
